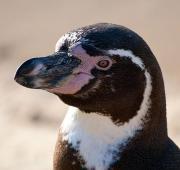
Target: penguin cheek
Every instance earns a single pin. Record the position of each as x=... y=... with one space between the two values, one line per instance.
x=72 y=84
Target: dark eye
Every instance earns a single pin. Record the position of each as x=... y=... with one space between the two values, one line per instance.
x=103 y=63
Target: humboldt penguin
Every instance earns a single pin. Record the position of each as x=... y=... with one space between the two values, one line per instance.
x=114 y=86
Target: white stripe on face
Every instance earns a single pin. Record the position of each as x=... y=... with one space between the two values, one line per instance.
x=72 y=37
x=127 y=53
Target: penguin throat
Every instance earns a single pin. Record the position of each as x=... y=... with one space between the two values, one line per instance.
x=98 y=140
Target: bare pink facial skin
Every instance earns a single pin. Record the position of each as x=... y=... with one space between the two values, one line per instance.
x=82 y=74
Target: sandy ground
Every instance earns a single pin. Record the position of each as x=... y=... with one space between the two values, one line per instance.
x=29 y=119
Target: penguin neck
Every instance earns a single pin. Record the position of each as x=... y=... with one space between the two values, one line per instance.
x=145 y=133
x=151 y=141
x=86 y=132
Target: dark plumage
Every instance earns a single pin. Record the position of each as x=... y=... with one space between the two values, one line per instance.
x=126 y=87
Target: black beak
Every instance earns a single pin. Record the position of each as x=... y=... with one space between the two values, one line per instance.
x=46 y=72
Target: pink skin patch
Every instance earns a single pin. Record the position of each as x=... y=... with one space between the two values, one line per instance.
x=72 y=84
x=82 y=74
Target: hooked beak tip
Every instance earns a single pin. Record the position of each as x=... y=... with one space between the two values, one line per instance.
x=23 y=74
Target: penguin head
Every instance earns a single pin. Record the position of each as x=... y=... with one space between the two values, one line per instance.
x=98 y=68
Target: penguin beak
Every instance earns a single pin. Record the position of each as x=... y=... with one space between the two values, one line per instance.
x=46 y=72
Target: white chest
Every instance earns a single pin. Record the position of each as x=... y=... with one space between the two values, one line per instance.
x=97 y=139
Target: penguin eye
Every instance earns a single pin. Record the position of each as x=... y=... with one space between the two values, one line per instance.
x=103 y=64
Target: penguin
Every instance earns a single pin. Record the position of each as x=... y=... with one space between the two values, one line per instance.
x=114 y=86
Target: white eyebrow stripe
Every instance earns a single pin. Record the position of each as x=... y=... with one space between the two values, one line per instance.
x=71 y=36
x=60 y=42
x=127 y=53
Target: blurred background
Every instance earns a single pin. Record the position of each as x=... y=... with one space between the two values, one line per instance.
x=29 y=119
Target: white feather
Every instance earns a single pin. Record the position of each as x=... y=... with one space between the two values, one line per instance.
x=100 y=138
x=127 y=53
x=71 y=36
